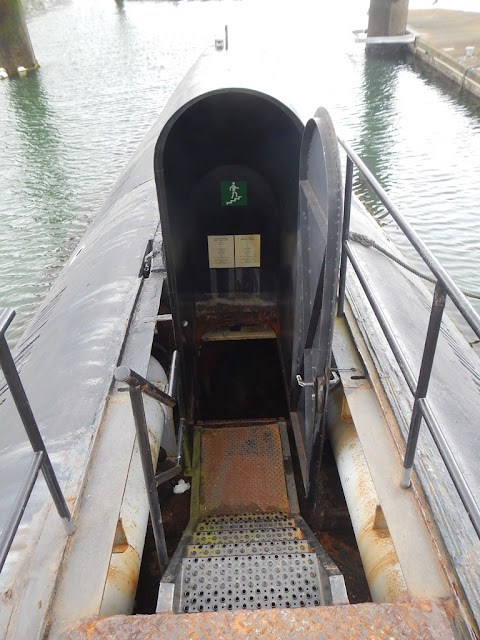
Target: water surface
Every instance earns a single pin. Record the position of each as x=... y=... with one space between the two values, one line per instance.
x=108 y=67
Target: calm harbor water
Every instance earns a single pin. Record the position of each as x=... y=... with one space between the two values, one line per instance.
x=109 y=66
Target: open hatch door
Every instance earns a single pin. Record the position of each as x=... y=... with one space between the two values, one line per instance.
x=317 y=266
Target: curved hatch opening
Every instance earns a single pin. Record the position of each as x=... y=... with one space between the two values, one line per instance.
x=226 y=171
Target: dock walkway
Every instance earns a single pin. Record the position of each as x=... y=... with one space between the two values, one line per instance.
x=442 y=40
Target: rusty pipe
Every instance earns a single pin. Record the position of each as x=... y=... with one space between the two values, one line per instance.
x=380 y=561
x=124 y=568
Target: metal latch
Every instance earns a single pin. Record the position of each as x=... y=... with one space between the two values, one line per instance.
x=303 y=384
x=334 y=380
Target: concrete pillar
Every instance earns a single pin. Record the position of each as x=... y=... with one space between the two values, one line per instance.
x=15 y=46
x=387 y=18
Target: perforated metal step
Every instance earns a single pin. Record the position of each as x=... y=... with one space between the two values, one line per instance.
x=248 y=548
x=246 y=521
x=246 y=551
x=250 y=582
x=226 y=536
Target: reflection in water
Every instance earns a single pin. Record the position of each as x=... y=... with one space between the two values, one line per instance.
x=378 y=125
x=35 y=239
x=45 y=181
x=421 y=139
x=107 y=69
x=121 y=7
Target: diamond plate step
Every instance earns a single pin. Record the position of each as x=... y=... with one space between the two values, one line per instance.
x=242 y=470
x=250 y=582
x=248 y=548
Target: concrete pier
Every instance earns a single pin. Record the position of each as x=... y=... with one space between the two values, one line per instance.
x=387 y=18
x=444 y=39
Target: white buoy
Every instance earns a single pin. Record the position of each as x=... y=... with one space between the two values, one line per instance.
x=21 y=70
x=469 y=52
x=3 y=74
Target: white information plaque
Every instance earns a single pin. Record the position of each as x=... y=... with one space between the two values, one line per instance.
x=221 y=252
x=247 y=250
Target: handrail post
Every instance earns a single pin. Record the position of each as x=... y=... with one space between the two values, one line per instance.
x=347 y=205
x=438 y=305
x=173 y=379
x=149 y=473
x=26 y=414
x=137 y=385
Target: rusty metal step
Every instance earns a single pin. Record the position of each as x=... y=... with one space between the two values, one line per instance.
x=234 y=556
x=427 y=620
x=267 y=564
x=242 y=471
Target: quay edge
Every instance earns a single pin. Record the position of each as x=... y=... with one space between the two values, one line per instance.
x=442 y=37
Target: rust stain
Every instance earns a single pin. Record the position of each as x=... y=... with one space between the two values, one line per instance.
x=449 y=607
x=346 y=413
x=376 y=547
x=379 y=522
x=225 y=316
x=242 y=470
x=344 y=437
x=125 y=576
x=387 y=568
x=120 y=543
x=406 y=620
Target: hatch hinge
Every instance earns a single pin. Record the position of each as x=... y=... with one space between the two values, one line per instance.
x=147 y=261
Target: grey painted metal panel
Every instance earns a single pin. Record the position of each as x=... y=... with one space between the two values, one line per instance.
x=318 y=259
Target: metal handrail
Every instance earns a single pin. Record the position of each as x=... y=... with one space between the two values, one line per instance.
x=445 y=286
x=40 y=461
x=138 y=385
x=457 y=297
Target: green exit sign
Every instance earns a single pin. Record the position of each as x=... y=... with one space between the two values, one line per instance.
x=234 y=193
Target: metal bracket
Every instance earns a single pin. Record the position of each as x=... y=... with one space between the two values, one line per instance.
x=303 y=384
x=334 y=380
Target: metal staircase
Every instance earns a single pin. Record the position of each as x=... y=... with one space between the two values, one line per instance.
x=249 y=561
x=235 y=558
x=250 y=573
